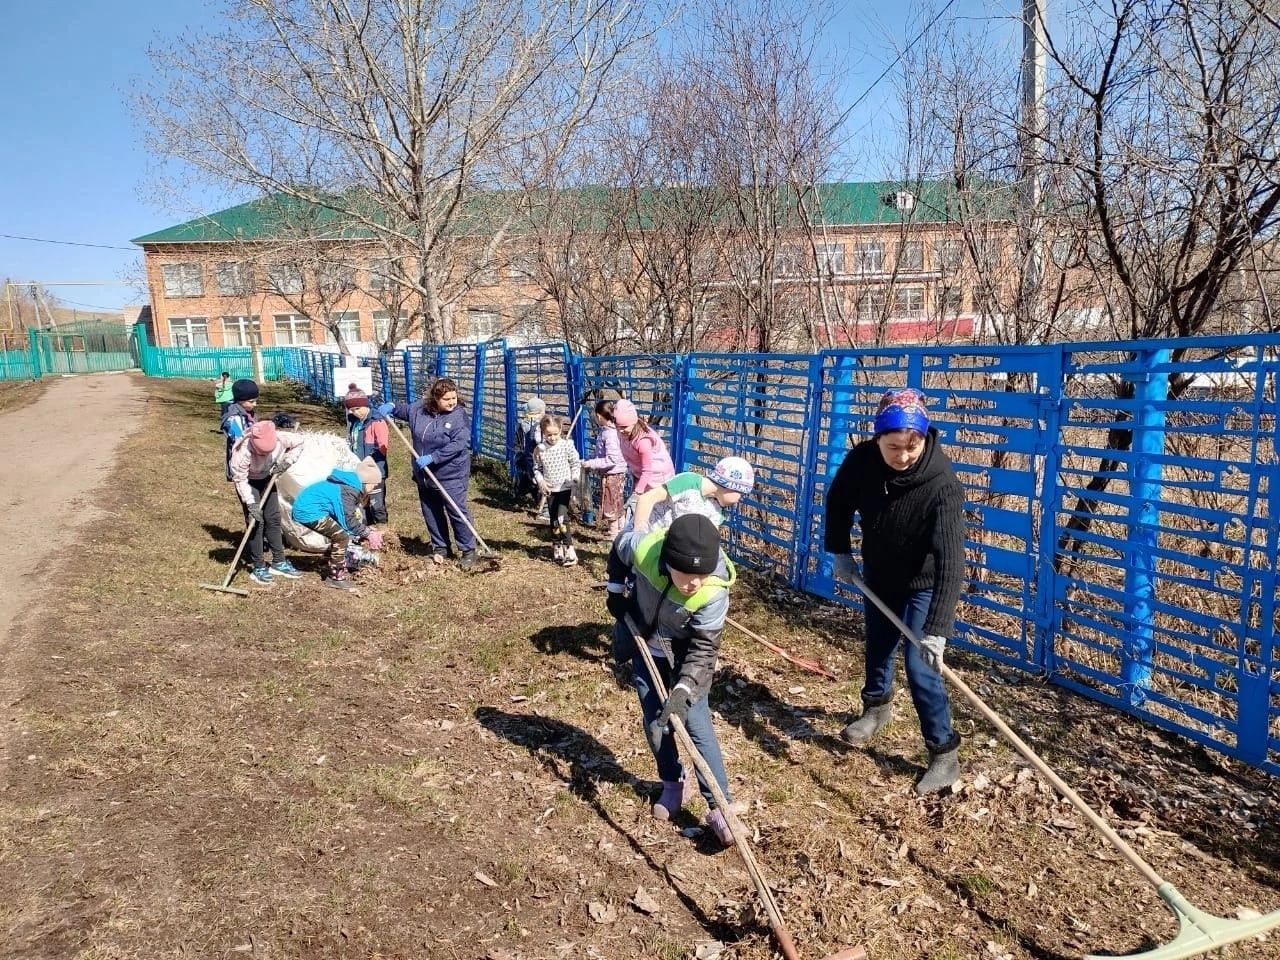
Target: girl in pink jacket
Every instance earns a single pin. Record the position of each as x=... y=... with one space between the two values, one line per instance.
x=256 y=457
x=646 y=455
x=609 y=462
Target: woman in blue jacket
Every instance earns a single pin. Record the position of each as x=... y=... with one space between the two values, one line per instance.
x=441 y=434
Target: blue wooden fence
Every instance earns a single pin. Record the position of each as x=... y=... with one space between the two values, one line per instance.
x=1163 y=604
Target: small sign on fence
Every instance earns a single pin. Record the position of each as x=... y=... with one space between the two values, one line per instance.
x=344 y=377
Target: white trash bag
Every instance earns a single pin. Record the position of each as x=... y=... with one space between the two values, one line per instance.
x=322 y=453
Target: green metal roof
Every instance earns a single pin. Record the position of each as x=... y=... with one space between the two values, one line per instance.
x=842 y=204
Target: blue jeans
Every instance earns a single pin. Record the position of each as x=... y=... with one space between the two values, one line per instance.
x=699 y=725
x=933 y=707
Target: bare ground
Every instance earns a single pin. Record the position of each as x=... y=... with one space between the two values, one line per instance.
x=446 y=766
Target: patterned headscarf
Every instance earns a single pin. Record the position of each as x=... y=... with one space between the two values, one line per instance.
x=902 y=410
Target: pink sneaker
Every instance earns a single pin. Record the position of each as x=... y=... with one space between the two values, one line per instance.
x=720 y=827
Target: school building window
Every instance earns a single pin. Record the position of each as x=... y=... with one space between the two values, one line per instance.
x=791 y=260
x=947 y=255
x=284 y=278
x=183 y=280
x=908 y=302
x=870 y=256
x=382 y=325
x=348 y=324
x=911 y=256
x=189 y=331
x=235 y=278
x=291 y=329
x=336 y=277
x=383 y=274
x=241 y=331
x=830 y=259
x=951 y=300
x=870 y=305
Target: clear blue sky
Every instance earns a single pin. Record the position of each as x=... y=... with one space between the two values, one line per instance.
x=74 y=167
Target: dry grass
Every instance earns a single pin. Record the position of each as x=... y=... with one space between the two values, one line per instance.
x=15 y=394
x=445 y=766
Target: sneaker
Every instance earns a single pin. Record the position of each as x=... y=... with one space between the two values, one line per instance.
x=262 y=576
x=343 y=583
x=286 y=569
x=558 y=553
x=570 y=557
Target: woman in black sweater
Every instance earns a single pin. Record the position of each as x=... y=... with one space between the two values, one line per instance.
x=911 y=506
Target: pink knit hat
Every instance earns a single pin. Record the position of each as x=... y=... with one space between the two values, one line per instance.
x=262 y=437
x=624 y=414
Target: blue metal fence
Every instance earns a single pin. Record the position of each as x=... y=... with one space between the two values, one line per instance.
x=1140 y=573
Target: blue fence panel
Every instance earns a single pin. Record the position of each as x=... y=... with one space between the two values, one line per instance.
x=755 y=406
x=490 y=414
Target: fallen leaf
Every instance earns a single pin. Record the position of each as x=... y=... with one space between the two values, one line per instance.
x=602 y=912
x=709 y=950
x=484 y=878
x=644 y=902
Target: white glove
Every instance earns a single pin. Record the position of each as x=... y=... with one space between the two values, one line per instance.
x=844 y=568
x=931 y=648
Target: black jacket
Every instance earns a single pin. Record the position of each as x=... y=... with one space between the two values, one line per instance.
x=912 y=527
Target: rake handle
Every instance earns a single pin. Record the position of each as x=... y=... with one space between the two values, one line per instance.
x=1024 y=749
x=439 y=486
x=811 y=665
x=776 y=924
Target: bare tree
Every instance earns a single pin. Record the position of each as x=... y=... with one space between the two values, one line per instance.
x=404 y=119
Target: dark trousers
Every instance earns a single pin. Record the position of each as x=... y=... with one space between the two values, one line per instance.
x=558 y=517
x=928 y=693
x=376 y=511
x=440 y=516
x=269 y=528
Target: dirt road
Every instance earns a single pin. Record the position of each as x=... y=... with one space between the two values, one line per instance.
x=57 y=451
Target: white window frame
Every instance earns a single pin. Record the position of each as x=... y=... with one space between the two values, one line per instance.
x=868 y=256
x=908 y=303
x=348 y=323
x=243 y=330
x=336 y=278
x=483 y=323
x=293 y=331
x=384 y=274
x=182 y=279
x=382 y=324
x=830 y=259
x=234 y=278
x=908 y=263
x=950 y=300
x=948 y=254
x=791 y=260
x=869 y=305
x=189 y=331
x=286 y=279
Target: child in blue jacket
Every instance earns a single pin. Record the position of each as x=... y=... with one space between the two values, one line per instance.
x=334 y=508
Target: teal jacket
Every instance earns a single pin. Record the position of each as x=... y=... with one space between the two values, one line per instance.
x=337 y=496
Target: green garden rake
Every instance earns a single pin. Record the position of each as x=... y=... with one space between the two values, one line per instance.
x=1198 y=931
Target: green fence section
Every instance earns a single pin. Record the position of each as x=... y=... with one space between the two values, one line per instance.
x=207 y=363
x=74 y=348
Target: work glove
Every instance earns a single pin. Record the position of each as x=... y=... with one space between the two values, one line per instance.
x=616 y=602
x=384 y=409
x=931 y=648
x=279 y=466
x=677 y=706
x=373 y=539
x=845 y=569
x=425 y=461
x=255 y=512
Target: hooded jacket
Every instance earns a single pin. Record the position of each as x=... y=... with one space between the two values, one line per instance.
x=446 y=436
x=369 y=438
x=338 y=497
x=912 y=526
x=246 y=464
x=647 y=459
x=692 y=626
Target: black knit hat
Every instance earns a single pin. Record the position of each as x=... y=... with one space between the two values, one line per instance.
x=244 y=390
x=692 y=545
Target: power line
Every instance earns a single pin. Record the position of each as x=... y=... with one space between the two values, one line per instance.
x=889 y=69
x=69 y=243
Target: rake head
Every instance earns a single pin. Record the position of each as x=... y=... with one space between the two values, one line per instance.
x=1200 y=932
x=223 y=588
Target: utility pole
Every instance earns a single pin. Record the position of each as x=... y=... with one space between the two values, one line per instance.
x=1032 y=217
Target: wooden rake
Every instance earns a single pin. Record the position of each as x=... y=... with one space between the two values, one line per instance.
x=736 y=827
x=1198 y=931
x=225 y=585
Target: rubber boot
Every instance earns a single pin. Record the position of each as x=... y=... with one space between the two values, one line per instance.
x=873 y=720
x=718 y=825
x=944 y=770
x=672 y=799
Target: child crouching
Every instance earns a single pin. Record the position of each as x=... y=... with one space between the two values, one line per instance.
x=334 y=508
x=555 y=469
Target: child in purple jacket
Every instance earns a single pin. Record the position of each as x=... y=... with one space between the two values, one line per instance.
x=609 y=462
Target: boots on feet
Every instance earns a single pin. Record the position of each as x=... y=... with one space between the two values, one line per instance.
x=944 y=770
x=873 y=720
x=671 y=800
x=718 y=825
